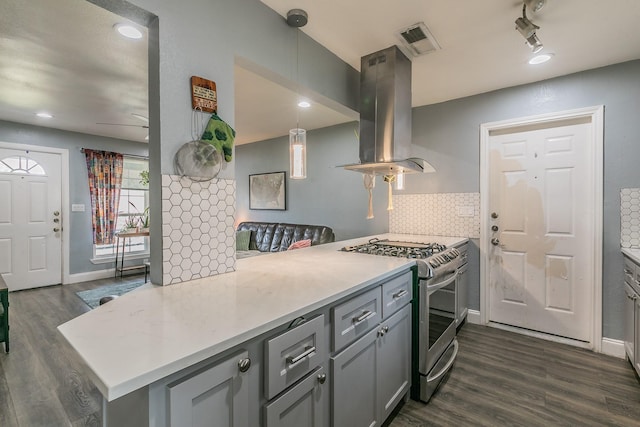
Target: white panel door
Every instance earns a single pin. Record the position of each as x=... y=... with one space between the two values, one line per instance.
x=30 y=246
x=541 y=192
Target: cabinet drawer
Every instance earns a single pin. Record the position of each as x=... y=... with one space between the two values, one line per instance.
x=292 y=354
x=355 y=317
x=396 y=293
x=302 y=405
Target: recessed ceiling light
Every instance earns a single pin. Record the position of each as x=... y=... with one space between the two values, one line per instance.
x=129 y=31
x=304 y=104
x=539 y=59
x=44 y=115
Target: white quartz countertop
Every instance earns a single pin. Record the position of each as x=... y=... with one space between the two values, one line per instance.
x=151 y=333
x=634 y=254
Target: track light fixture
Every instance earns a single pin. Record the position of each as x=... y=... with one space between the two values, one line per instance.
x=527 y=28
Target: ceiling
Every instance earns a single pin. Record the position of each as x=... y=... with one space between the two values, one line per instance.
x=75 y=66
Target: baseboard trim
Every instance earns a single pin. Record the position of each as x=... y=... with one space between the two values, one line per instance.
x=90 y=275
x=613 y=347
x=473 y=316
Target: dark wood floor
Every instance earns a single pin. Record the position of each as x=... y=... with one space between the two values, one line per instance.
x=499 y=379
x=42 y=380
x=505 y=379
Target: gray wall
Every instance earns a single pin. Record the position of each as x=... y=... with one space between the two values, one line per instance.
x=80 y=236
x=329 y=196
x=206 y=39
x=447 y=135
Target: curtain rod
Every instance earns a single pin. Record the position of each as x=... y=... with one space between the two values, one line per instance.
x=126 y=155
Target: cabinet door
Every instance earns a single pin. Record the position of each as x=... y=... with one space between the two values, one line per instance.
x=354 y=384
x=629 y=321
x=394 y=361
x=636 y=334
x=302 y=405
x=216 y=396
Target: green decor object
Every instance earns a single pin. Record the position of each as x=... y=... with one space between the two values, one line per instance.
x=242 y=240
x=219 y=134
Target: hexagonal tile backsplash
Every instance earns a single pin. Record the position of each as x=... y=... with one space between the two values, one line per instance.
x=444 y=214
x=198 y=234
x=630 y=217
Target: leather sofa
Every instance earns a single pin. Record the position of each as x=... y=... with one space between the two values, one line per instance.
x=277 y=237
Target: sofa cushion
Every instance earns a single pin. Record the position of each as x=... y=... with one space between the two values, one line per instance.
x=242 y=240
x=300 y=244
x=276 y=237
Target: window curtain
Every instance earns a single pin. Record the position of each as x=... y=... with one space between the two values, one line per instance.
x=105 y=180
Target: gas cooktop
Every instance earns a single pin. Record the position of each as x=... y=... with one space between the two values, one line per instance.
x=397 y=248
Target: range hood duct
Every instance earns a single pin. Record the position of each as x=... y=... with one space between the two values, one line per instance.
x=385 y=116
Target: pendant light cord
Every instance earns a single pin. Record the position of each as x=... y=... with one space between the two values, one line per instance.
x=297 y=77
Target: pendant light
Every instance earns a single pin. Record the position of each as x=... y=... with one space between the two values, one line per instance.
x=297 y=137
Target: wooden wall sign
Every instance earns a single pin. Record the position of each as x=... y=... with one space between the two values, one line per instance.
x=204 y=95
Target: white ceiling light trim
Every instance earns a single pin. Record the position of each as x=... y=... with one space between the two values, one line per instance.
x=44 y=115
x=129 y=31
x=540 y=59
x=304 y=104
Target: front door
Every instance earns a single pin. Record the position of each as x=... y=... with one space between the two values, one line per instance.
x=542 y=209
x=30 y=218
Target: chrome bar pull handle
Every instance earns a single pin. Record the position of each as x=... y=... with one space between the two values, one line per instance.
x=364 y=316
x=308 y=351
x=400 y=294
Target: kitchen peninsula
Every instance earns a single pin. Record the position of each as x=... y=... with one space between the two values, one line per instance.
x=147 y=342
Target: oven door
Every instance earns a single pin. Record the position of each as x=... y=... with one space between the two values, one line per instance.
x=437 y=318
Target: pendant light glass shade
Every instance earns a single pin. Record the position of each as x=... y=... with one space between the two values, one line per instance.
x=297 y=153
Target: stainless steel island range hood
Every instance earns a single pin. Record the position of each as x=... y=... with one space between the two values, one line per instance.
x=385 y=116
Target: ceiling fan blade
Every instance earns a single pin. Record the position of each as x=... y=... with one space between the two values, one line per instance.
x=122 y=124
x=141 y=117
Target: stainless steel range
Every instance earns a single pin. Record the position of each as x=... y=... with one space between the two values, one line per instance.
x=434 y=329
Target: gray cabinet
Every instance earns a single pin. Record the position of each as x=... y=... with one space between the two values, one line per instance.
x=356 y=316
x=632 y=313
x=394 y=361
x=292 y=354
x=302 y=405
x=462 y=286
x=629 y=321
x=371 y=375
x=353 y=375
x=213 y=396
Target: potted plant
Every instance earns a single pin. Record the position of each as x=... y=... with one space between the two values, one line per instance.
x=144 y=220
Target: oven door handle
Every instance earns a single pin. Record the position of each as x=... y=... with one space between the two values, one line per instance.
x=436 y=286
x=446 y=367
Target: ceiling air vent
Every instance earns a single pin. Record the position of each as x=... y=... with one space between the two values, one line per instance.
x=417 y=40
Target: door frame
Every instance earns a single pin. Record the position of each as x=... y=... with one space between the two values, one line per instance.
x=64 y=187
x=596 y=138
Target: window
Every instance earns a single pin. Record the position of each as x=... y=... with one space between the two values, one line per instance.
x=134 y=200
x=21 y=165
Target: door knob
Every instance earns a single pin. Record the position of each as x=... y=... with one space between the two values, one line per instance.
x=56 y=213
x=244 y=364
x=495 y=241
x=322 y=378
x=494 y=228
x=56 y=220
x=56 y=229
x=494 y=215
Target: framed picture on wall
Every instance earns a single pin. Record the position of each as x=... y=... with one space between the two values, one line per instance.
x=268 y=191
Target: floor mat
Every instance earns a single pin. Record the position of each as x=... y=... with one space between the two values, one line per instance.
x=92 y=296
